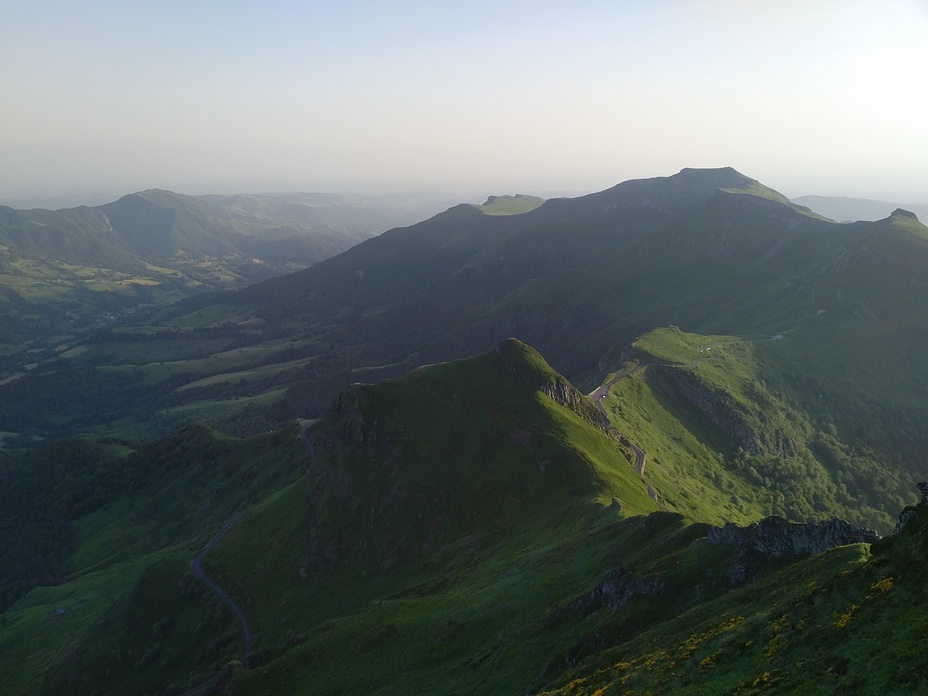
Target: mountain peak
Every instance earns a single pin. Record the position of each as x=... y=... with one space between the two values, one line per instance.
x=510 y=205
x=723 y=177
x=690 y=186
x=900 y=212
x=449 y=450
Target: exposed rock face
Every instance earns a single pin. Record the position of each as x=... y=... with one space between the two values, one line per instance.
x=621 y=586
x=908 y=512
x=727 y=417
x=551 y=384
x=717 y=407
x=566 y=395
x=904 y=517
x=774 y=537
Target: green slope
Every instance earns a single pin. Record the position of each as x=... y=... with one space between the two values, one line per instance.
x=838 y=623
x=746 y=429
x=475 y=527
x=456 y=456
x=711 y=251
x=127 y=566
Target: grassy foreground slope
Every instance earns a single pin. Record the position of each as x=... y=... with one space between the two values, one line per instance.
x=475 y=527
x=455 y=458
x=842 y=622
x=127 y=566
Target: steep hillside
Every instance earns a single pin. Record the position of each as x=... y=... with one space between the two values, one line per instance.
x=456 y=458
x=841 y=622
x=731 y=422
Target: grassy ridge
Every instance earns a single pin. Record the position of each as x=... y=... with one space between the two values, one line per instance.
x=747 y=433
x=457 y=468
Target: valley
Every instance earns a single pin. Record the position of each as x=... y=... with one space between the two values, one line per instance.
x=67 y=273
x=577 y=446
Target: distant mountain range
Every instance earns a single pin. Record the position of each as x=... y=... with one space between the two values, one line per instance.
x=843 y=209
x=584 y=280
x=61 y=270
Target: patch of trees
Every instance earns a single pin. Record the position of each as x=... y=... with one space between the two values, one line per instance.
x=41 y=492
x=44 y=490
x=71 y=400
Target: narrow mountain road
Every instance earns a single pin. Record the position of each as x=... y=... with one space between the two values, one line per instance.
x=641 y=458
x=305 y=423
x=602 y=391
x=196 y=565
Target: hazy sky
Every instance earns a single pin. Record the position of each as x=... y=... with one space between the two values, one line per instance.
x=811 y=96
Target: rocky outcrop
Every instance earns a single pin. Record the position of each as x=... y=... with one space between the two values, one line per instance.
x=909 y=513
x=563 y=392
x=518 y=357
x=621 y=586
x=717 y=406
x=774 y=537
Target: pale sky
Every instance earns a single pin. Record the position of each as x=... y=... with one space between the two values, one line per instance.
x=809 y=96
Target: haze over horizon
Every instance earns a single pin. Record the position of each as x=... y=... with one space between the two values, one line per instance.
x=810 y=98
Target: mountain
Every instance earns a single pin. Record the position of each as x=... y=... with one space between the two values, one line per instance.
x=476 y=526
x=64 y=272
x=844 y=209
x=710 y=251
x=454 y=524
x=510 y=205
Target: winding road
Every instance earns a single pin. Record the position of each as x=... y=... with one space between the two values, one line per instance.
x=602 y=391
x=305 y=423
x=196 y=565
